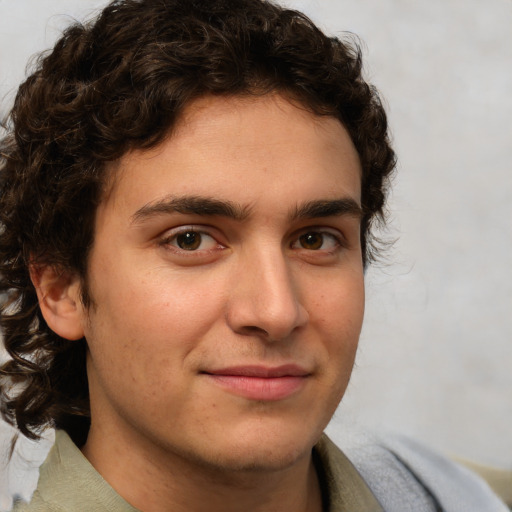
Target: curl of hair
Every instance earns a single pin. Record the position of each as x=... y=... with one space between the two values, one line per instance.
x=121 y=83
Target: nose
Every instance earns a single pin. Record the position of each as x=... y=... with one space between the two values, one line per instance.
x=264 y=300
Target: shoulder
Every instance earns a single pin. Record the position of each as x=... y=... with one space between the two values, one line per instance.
x=68 y=482
x=405 y=475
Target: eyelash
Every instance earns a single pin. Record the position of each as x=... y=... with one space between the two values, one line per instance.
x=336 y=239
x=167 y=241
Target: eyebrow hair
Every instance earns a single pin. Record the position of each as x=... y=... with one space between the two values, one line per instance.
x=328 y=208
x=207 y=206
x=191 y=205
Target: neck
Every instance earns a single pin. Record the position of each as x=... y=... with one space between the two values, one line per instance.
x=164 y=480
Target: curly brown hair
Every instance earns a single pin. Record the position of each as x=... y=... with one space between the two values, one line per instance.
x=120 y=83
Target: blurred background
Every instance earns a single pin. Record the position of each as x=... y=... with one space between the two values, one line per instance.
x=435 y=360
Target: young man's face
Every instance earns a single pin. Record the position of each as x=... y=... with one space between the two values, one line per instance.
x=227 y=282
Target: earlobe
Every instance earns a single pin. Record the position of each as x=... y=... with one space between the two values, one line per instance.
x=58 y=293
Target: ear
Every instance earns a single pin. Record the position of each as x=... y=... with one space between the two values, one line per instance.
x=58 y=293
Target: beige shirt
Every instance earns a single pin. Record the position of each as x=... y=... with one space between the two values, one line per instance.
x=68 y=483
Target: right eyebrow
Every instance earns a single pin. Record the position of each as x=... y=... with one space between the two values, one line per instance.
x=198 y=205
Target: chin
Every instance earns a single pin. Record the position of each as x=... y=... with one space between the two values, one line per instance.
x=258 y=460
x=254 y=451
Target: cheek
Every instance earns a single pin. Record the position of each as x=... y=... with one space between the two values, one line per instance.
x=179 y=306
x=159 y=308
x=340 y=305
x=339 y=318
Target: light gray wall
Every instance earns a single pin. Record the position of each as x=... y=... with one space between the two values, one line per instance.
x=436 y=353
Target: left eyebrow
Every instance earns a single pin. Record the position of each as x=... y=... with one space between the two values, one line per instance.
x=328 y=208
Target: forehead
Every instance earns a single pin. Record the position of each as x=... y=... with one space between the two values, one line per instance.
x=240 y=147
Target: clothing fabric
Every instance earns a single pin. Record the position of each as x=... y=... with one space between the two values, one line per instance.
x=400 y=477
x=406 y=476
x=69 y=483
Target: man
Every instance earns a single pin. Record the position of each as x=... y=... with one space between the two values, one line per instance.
x=186 y=202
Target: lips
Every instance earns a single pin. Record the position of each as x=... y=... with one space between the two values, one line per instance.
x=260 y=383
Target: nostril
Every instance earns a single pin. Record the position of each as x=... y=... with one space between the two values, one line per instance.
x=255 y=330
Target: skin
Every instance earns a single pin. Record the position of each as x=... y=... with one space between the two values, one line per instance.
x=179 y=296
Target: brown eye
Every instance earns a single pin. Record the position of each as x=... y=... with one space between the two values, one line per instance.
x=311 y=241
x=320 y=240
x=189 y=240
